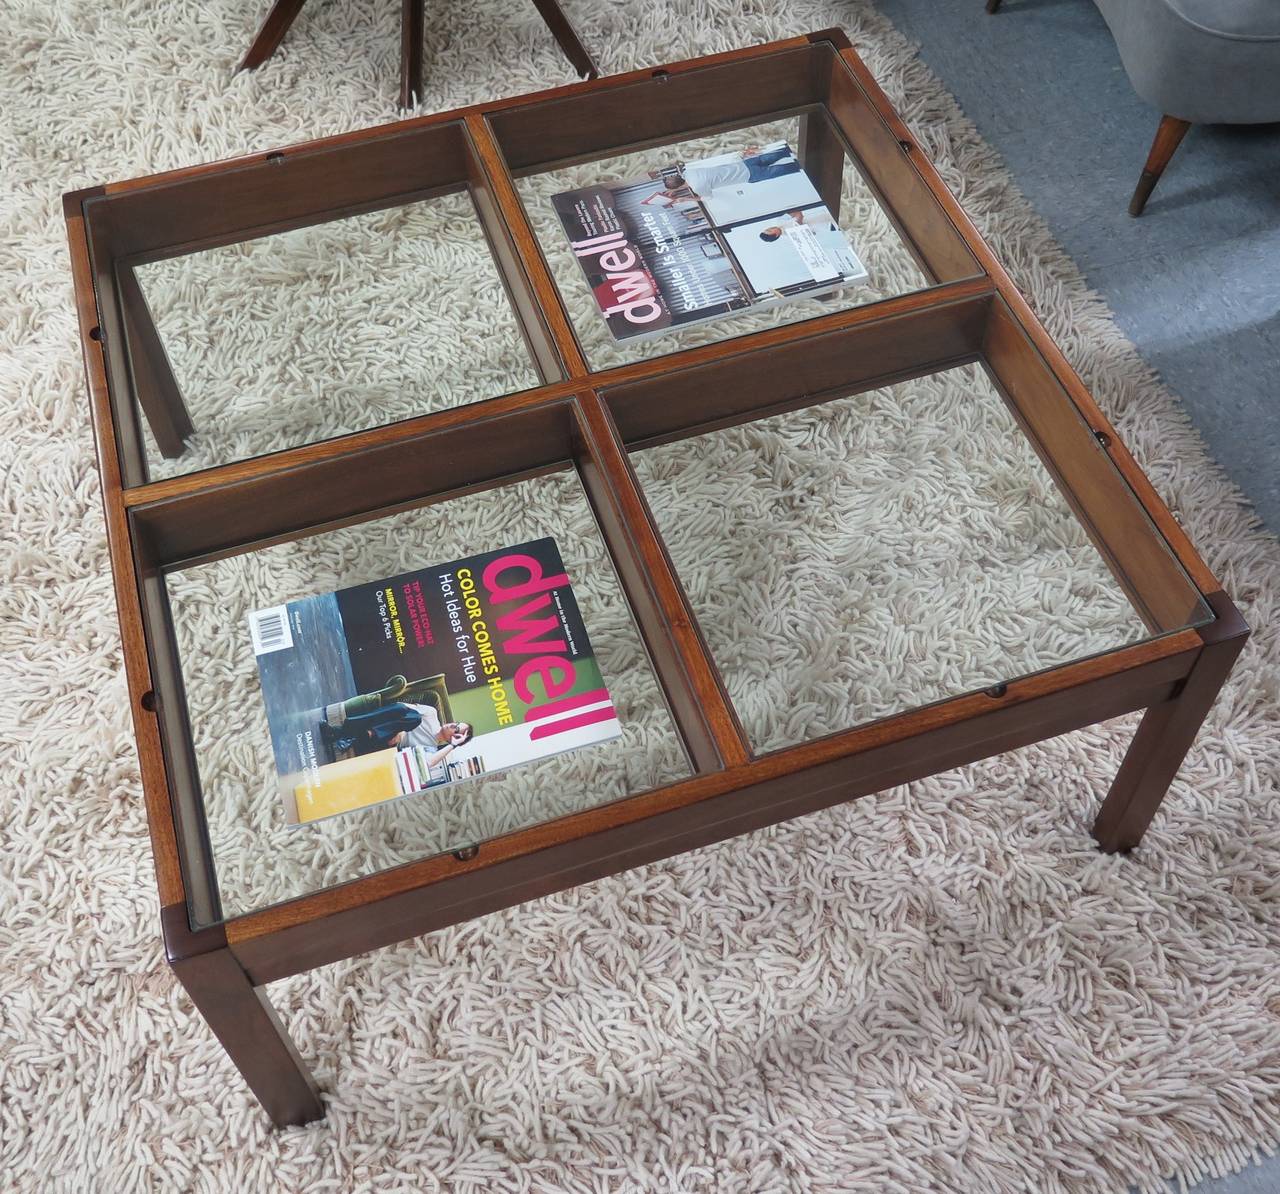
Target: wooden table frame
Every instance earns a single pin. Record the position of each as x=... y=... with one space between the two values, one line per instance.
x=972 y=312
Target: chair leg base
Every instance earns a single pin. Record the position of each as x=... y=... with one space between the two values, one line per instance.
x=1167 y=139
x=284 y=12
x=1142 y=192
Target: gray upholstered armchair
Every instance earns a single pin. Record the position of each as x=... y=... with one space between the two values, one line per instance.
x=1198 y=62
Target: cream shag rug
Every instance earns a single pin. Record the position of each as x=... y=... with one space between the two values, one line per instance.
x=944 y=987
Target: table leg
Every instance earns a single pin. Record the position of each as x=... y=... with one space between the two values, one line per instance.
x=1166 y=733
x=567 y=38
x=412 y=29
x=154 y=385
x=822 y=156
x=243 y=1020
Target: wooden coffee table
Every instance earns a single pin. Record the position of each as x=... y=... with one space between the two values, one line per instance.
x=200 y=472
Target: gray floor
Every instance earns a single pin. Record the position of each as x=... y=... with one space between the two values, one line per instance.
x=1195 y=282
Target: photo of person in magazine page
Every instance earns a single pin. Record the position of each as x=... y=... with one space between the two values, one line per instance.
x=401 y=685
x=697 y=240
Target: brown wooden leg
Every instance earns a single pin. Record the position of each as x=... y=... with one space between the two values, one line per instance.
x=992 y=5
x=275 y=25
x=242 y=1019
x=1166 y=733
x=412 y=29
x=822 y=156
x=154 y=384
x=1168 y=137
x=567 y=38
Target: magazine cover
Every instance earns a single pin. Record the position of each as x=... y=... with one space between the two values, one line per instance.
x=393 y=687
x=697 y=240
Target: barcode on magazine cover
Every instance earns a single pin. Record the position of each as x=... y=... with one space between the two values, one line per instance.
x=269 y=629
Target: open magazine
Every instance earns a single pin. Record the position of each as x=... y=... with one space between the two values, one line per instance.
x=697 y=240
x=401 y=685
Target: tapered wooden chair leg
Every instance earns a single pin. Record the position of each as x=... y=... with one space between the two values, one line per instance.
x=412 y=29
x=271 y=33
x=992 y=5
x=243 y=1020
x=1168 y=137
x=1166 y=733
x=567 y=38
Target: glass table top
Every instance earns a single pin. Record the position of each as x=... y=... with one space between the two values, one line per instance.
x=258 y=858
x=880 y=552
x=331 y=329
x=846 y=562
x=868 y=555
x=363 y=321
x=891 y=267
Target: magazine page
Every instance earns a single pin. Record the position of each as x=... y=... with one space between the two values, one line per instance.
x=693 y=241
x=401 y=685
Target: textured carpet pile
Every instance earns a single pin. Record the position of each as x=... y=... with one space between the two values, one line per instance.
x=944 y=987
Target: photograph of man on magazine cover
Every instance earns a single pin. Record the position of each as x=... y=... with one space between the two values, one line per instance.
x=700 y=180
x=398 y=726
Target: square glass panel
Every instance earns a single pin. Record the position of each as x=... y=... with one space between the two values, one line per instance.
x=880 y=552
x=737 y=245
x=333 y=328
x=261 y=860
